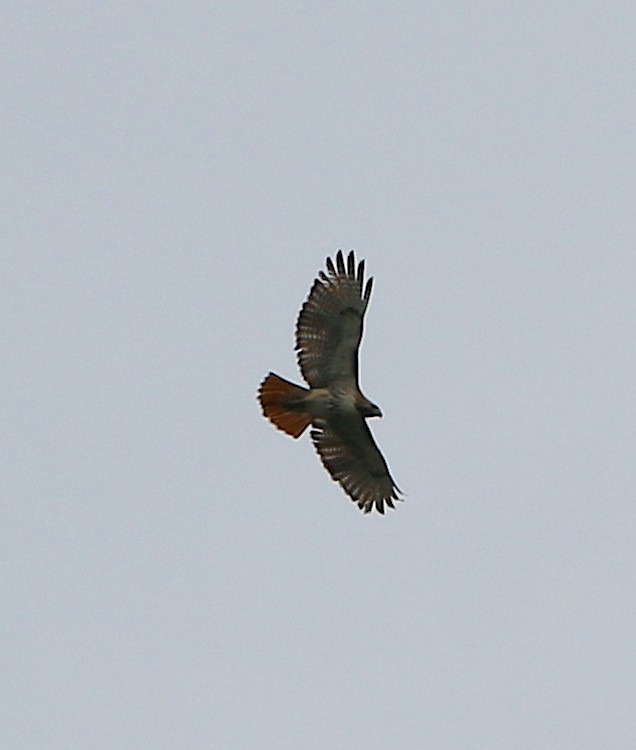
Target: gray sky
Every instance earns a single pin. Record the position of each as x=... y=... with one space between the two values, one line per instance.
x=178 y=574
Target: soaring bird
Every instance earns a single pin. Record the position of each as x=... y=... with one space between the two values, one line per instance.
x=328 y=334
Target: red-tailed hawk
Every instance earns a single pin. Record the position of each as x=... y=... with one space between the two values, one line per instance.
x=328 y=334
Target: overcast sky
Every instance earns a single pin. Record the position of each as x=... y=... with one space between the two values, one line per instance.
x=178 y=574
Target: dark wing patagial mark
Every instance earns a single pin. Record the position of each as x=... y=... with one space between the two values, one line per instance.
x=330 y=323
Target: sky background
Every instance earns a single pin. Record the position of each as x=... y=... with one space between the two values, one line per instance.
x=176 y=573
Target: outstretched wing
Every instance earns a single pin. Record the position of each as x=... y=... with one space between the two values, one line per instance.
x=349 y=453
x=329 y=326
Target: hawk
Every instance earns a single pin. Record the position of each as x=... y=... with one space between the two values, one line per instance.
x=328 y=334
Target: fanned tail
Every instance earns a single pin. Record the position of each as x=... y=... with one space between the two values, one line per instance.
x=281 y=402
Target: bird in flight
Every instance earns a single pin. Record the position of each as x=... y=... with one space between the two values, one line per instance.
x=328 y=334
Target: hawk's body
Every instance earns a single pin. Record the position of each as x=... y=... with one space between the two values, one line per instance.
x=328 y=335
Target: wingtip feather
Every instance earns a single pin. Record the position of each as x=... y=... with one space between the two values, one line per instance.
x=351 y=265
x=367 y=290
x=360 y=276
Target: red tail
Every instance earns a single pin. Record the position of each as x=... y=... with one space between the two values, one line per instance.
x=277 y=397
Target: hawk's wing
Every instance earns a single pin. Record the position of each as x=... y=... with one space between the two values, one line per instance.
x=329 y=325
x=349 y=453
